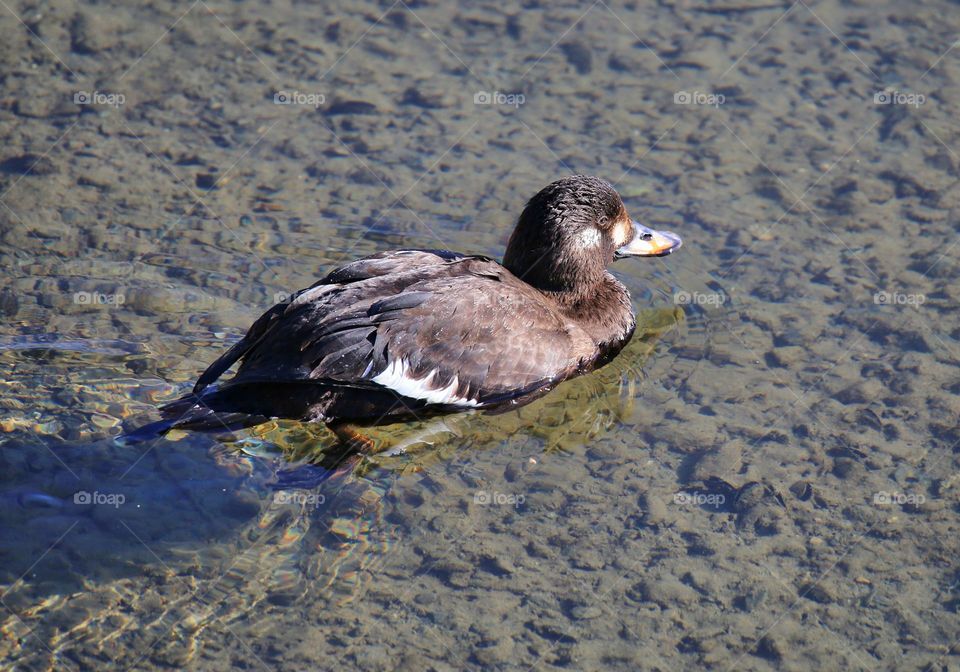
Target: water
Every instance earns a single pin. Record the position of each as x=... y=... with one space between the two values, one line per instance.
x=767 y=477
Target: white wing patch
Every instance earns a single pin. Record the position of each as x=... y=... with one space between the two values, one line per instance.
x=397 y=377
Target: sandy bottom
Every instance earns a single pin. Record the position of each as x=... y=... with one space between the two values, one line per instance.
x=767 y=478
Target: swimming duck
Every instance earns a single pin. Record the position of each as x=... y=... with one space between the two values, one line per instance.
x=408 y=333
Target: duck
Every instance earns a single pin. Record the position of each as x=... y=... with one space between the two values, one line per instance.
x=404 y=334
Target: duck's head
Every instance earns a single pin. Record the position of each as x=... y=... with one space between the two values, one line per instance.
x=572 y=230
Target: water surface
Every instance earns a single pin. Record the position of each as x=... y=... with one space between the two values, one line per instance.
x=766 y=478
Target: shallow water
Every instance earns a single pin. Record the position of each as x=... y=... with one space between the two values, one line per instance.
x=766 y=478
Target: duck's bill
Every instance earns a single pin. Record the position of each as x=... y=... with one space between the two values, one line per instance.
x=649 y=243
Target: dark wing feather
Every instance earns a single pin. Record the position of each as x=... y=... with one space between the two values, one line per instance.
x=377 y=265
x=464 y=320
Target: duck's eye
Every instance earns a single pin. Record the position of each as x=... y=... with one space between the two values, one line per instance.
x=603 y=221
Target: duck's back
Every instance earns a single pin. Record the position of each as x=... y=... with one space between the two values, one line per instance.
x=401 y=331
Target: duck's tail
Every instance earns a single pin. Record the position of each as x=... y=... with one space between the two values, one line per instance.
x=202 y=412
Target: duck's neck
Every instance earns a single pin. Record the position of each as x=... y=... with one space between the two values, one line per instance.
x=603 y=310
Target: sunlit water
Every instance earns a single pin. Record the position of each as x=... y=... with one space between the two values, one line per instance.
x=767 y=477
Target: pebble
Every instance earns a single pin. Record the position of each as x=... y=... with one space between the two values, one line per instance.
x=770 y=647
x=655 y=510
x=667 y=592
x=35 y=165
x=724 y=462
x=206 y=181
x=103 y=421
x=751 y=600
x=585 y=613
x=695 y=435
x=99 y=179
x=373 y=657
x=499 y=564
x=425 y=598
x=802 y=490
x=579 y=56
x=862 y=392
x=91 y=34
x=630 y=61
x=586 y=558
x=818 y=592
x=494 y=653
x=787 y=356
x=427 y=97
x=845 y=468
x=344 y=107
x=38 y=105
